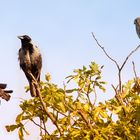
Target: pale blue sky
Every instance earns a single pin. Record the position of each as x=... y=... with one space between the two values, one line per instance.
x=62 y=29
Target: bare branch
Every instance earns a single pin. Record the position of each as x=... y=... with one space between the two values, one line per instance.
x=113 y=60
x=84 y=117
x=45 y=128
x=105 y=51
x=95 y=95
x=115 y=89
x=116 y=63
x=53 y=119
x=40 y=126
x=134 y=69
x=88 y=92
x=129 y=56
x=55 y=109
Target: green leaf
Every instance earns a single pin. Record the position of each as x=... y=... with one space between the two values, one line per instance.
x=20 y=133
x=103 y=114
x=84 y=68
x=48 y=77
x=75 y=133
x=61 y=105
x=19 y=118
x=86 y=107
x=27 y=133
x=27 y=88
x=98 y=77
x=117 y=109
x=71 y=90
x=11 y=127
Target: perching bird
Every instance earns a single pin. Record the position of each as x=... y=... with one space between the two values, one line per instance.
x=30 y=61
x=137 y=24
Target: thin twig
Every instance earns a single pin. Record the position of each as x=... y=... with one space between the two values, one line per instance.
x=123 y=64
x=134 y=69
x=113 y=60
x=55 y=109
x=115 y=89
x=88 y=92
x=89 y=99
x=45 y=127
x=95 y=96
x=116 y=63
x=84 y=117
x=39 y=126
x=129 y=56
x=105 y=51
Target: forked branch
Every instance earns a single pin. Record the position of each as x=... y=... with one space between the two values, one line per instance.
x=129 y=56
x=97 y=42
x=119 y=67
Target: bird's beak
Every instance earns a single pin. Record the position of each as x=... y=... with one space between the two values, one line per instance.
x=20 y=37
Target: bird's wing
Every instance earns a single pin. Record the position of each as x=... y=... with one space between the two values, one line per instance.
x=36 y=67
x=36 y=63
x=25 y=64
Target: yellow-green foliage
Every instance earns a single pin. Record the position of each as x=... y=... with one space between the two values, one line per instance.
x=76 y=113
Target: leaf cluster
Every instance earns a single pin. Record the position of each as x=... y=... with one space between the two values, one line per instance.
x=80 y=118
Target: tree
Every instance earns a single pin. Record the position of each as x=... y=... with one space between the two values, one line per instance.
x=74 y=112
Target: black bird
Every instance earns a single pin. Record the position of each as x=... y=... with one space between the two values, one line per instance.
x=137 y=24
x=30 y=61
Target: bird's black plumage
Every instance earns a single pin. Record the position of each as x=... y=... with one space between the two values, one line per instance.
x=30 y=61
x=137 y=24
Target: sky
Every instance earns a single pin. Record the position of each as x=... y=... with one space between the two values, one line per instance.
x=62 y=30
